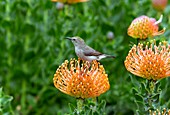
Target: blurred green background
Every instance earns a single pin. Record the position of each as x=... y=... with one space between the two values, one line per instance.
x=33 y=45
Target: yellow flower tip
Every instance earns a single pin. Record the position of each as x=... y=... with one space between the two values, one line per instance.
x=144 y=27
x=150 y=62
x=159 y=112
x=69 y=1
x=78 y=79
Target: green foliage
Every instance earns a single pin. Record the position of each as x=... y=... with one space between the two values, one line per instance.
x=5 y=103
x=33 y=45
x=147 y=96
x=88 y=107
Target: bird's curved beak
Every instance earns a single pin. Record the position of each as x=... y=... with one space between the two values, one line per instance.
x=69 y=38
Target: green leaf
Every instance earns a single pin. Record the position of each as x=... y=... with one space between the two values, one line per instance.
x=71 y=107
x=102 y=105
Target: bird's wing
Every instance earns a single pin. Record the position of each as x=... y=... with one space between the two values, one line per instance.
x=88 y=51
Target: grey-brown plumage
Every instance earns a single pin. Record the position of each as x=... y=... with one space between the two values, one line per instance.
x=85 y=52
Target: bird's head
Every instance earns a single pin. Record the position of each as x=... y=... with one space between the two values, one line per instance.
x=77 y=41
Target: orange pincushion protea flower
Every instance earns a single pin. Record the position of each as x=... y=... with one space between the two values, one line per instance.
x=79 y=80
x=69 y=1
x=150 y=62
x=143 y=27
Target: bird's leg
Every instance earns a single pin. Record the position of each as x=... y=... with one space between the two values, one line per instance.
x=88 y=64
x=85 y=64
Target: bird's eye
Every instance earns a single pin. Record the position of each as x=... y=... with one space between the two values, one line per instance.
x=74 y=39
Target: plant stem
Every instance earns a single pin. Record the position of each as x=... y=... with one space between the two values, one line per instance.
x=151 y=94
x=94 y=100
x=152 y=86
x=80 y=103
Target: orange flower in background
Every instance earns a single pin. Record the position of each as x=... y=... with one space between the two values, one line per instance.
x=159 y=4
x=150 y=62
x=69 y=1
x=78 y=79
x=144 y=27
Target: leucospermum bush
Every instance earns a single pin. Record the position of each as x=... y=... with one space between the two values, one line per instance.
x=82 y=80
x=32 y=45
x=149 y=61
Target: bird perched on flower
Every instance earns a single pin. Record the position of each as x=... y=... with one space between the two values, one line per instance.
x=69 y=1
x=144 y=27
x=85 y=52
x=76 y=79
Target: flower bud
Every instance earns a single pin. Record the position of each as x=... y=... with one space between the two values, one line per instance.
x=159 y=4
x=144 y=27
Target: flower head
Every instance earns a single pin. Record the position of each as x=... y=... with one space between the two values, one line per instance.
x=159 y=4
x=69 y=1
x=143 y=27
x=150 y=62
x=78 y=79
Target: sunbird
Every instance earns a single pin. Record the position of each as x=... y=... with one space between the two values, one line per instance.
x=85 y=52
